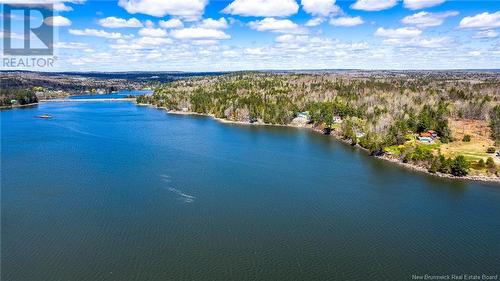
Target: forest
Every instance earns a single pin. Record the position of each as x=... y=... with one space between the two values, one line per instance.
x=10 y=96
x=383 y=113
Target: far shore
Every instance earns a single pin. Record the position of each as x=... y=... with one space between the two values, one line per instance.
x=18 y=105
x=310 y=127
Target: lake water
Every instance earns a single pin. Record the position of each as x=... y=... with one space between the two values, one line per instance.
x=113 y=191
x=119 y=94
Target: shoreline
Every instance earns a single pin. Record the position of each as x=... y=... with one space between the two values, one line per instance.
x=18 y=106
x=387 y=158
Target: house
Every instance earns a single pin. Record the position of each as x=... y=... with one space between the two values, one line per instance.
x=359 y=134
x=304 y=115
x=302 y=119
x=337 y=119
x=427 y=137
x=433 y=133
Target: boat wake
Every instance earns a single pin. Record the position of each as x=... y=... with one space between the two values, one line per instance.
x=165 y=178
x=183 y=196
x=187 y=198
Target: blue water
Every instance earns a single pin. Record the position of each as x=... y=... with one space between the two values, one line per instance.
x=119 y=94
x=114 y=191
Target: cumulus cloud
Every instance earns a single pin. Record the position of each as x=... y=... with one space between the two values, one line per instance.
x=485 y=34
x=482 y=21
x=314 y=22
x=346 y=21
x=187 y=9
x=114 y=22
x=474 y=53
x=320 y=7
x=438 y=42
x=295 y=46
x=140 y=43
x=299 y=41
x=57 y=21
x=171 y=23
x=254 y=51
x=70 y=45
x=97 y=33
x=262 y=8
x=426 y=19
x=230 y=53
x=420 y=4
x=373 y=5
x=276 y=25
x=289 y=38
x=152 y=41
x=404 y=32
x=152 y=32
x=214 y=24
x=199 y=33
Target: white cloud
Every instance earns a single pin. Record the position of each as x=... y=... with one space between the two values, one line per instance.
x=320 y=7
x=57 y=21
x=230 y=53
x=426 y=19
x=70 y=45
x=373 y=5
x=262 y=8
x=289 y=38
x=152 y=41
x=171 y=23
x=474 y=53
x=254 y=51
x=152 y=32
x=276 y=25
x=96 y=32
x=204 y=42
x=140 y=43
x=438 y=42
x=481 y=21
x=314 y=22
x=187 y=9
x=346 y=21
x=199 y=33
x=354 y=46
x=114 y=22
x=153 y=55
x=404 y=32
x=214 y=24
x=485 y=34
x=420 y=4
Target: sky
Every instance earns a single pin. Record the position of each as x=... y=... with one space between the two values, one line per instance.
x=219 y=35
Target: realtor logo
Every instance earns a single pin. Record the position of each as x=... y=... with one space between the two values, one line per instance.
x=43 y=31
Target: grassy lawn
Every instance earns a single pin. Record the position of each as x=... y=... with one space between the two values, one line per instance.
x=394 y=149
x=475 y=149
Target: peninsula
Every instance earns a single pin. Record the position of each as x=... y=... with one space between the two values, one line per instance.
x=443 y=122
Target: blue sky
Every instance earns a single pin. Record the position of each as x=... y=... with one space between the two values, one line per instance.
x=203 y=35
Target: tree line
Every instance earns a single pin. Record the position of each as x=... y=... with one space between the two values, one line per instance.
x=384 y=109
